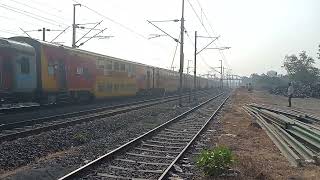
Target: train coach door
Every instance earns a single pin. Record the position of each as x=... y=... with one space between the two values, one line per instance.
x=6 y=72
x=158 y=79
x=62 y=76
x=148 y=79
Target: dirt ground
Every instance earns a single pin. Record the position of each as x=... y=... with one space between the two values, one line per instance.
x=257 y=156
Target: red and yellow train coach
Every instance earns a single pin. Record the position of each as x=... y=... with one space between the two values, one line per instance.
x=63 y=73
x=48 y=73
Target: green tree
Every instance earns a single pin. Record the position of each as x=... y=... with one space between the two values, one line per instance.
x=319 y=52
x=265 y=82
x=301 y=69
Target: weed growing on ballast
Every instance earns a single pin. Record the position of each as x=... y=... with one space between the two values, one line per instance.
x=214 y=162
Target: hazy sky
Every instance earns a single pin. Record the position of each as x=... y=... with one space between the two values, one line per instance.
x=260 y=32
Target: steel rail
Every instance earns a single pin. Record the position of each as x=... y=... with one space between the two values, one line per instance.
x=126 y=146
x=298 y=141
x=26 y=108
x=44 y=128
x=291 y=156
x=10 y=126
x=293 y=113
x=166 y=173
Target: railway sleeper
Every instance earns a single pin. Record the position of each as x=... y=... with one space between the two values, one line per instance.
x=156 y=151
x=109 y=176
x=172 y=139
x=141 y=162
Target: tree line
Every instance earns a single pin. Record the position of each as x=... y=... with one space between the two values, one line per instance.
x=301 y=71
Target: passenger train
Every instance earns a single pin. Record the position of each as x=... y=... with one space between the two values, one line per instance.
x=32 y=70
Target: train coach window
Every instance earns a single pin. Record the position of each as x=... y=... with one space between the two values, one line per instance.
x=86 y=73
x=108 y=65
x=116 y=66
x=121 y=87
x=122 y=67
x=109 y=87
x=100 y=87
x=100 y=63
x=79 y=70
x=7 y=66
x=51 y=70
x=116 y=87
x=24 y=65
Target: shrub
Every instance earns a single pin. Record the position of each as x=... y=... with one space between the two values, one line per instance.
x=216 y=161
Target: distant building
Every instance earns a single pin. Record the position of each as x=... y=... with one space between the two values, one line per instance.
x=272 y=73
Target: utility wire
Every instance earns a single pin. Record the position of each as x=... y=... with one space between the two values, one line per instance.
x=31 y=15
x=114 y=21
x=14 y=20
x=175 y=51
x=202 y=59
x=35 y=15
x=214 y=33
x=201 y=22
x=45 y=12
x=9 y=32
x=45 y=4
x=193 y=9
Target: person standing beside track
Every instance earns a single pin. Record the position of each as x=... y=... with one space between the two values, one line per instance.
x=290 y=93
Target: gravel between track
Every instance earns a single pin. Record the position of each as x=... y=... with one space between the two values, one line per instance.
x=52 y=154
x=205 y=141
x=67 y=108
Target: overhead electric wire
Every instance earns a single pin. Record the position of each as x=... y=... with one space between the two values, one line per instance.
x=31 y=15
x=201 y=22
x=190 y=40
x=214 y=33
x=40 y=10
x=202 y=59
x=114 y=21
x=45 y=4
x=35 y=16
x=14 y=20
x=9 y=32
x=198 y=17
x=175 y=51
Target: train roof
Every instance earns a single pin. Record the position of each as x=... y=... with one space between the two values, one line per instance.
x=22 y=38
x=20 y=46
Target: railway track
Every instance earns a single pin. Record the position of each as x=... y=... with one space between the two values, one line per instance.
x=29 y=107
x=153 y=154
x=35 y=126
x=18 y=108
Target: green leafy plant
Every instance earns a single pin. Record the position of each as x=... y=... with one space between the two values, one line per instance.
x=216 y=161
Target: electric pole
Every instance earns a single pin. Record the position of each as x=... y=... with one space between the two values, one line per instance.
x=227 y=77
x=196 y=52
x=74 y=26
x=188 y=82
x=221 y=79
x=195 y=65
x=43 y=34
x=181 y=54
x=188 y=67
